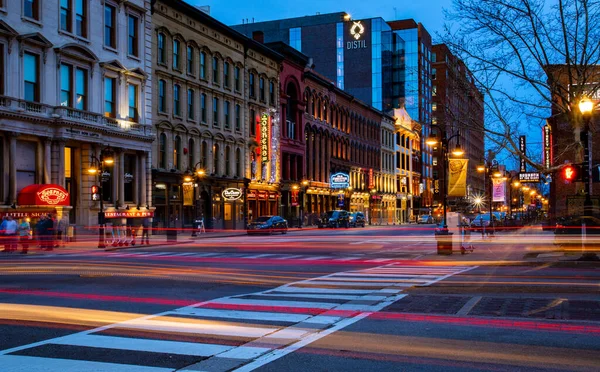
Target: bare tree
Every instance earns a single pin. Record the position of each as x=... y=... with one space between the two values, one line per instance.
x=533 y=60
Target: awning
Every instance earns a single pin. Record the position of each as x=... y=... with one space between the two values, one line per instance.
x=50 y=195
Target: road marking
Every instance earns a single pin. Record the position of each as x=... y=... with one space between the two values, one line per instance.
x=211 y=328
x=17 y=363
x=236 y=301
x=469 y=305
x=239 y=314
x=321 y=296
x=138 y=344
x=290 y=288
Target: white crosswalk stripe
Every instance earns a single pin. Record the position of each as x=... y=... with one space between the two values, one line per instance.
x=239 y=331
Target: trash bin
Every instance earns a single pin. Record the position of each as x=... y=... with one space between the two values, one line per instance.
x=444 y=242
x=172 y=234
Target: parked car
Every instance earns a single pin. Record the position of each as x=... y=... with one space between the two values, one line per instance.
x=425 y=218
x=357 y=219
x=268 y=225
x=482 y=221
x=335 y=219
x=568 y=232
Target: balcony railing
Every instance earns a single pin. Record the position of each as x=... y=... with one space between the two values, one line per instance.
x=69 y=114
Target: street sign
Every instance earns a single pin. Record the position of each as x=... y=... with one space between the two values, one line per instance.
x=529 y=177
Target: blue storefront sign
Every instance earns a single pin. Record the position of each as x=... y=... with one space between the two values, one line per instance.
x=339 y=181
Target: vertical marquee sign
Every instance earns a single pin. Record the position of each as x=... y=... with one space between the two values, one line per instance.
x=265 y=143
x=523 y=149
x=547 y=135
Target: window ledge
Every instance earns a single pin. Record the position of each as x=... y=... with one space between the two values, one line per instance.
x=110 y=49
x=162 y=64
x=27 y=19
x=163 y=113
x=134 y=57
x=191 y=121
x=177 y=117
x=192 y=75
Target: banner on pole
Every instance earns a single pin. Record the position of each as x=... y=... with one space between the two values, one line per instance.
x=498 y=190
x=457 y=180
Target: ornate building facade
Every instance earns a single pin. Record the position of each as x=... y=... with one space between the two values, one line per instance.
x=213 y=89
x=70 y=88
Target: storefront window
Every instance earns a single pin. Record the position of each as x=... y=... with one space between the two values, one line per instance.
x=129 y=179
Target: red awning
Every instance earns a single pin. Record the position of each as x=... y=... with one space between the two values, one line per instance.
x=44 y=195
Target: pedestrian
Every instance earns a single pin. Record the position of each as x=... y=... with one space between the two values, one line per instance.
x=10 y=233
x=24 y=235
x=61 y=231
x=145 y=230
x=39 y=234
x=53 y=230
x=2 y=234
x=48 y=233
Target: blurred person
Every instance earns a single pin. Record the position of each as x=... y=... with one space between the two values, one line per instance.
x=145 y=230
x=61 y=231
x=10 y=232
x=39 y=234
x=24 y=235
x=53 y=230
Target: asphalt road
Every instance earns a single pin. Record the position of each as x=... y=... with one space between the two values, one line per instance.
x=316 y=300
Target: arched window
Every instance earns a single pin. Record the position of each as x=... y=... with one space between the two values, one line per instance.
x=191 y=150
x=162 y=53
x=238 y=163
x=190 y=59
x=162 y=96
x=177 y=152
x=162 y=150
x=176 y=100
x=227 y=161
x=215 y=169
x=204 y=154
x=176 y=53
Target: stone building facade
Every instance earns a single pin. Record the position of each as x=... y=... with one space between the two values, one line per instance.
x=72 y=86
x=211 y=87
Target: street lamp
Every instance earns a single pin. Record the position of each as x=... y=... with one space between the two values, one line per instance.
x=97 y=168
x=189 y=176
x=586 y=106
x=457 y=151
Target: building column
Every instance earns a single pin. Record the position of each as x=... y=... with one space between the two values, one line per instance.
x=310 y=155
x=60 y=159
x=121 y=179
x=141 y=199
x=317 y=143
x=47 y=160
x=12 y=168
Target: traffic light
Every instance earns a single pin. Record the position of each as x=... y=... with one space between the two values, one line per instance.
x=95 y=191
x=572 y=173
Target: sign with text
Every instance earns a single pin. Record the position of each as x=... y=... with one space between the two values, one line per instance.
x=547 y=136
x=129 y=214
x=339 y=181
x=265 y=121
x=498 y=190
x=533 y=177
x=294 y=201
x=523 y=149
x=358 y=35
x=371 y=179
x=457 y=177
x=231 y=194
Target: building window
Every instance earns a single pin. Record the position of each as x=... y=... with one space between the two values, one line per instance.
x=215 y=66
x=226 y=74
x=176 y=100
x=65 y=15
x=162 y=53
x=162 y=149
x=202 y=65
x=296 y=38
x=190 y=60
x=251 y=85
x=176 y=53
x=215 y=111
x=70 y=84
x=236 y=77
x=272 y=93
x=66 y=84
x=190 y=153
x=110 y=36
x=177 y=152
x=109 y=97
x=238 y=118
x=226 y=113
x=31 y=78
x=80 y=18
x=203 y=107
x=162 y=96
x=204 y=154
x=227 y=161
x=252 y=123
x=215 y=158
x=31 y=9
x=133 y=102
x=434 y=91
x=261 y=87
x=238 y=163
x=433 y=74
x=132 y=44
x=190 y=104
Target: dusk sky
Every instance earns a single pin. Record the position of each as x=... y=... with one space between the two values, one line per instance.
x=232 y=12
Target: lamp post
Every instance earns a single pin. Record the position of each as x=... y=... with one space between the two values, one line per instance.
x=189 y=176
x=492 y=171
x=97 y=168
x=457 y=151
x=303 y=189
x=516 y=185
x=586 y=106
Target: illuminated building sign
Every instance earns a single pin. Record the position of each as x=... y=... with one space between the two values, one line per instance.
x=129 y=214
x=356 y=31
x=371 y=180
x=523 y=149
x=529 y=177
x=547 y=135
x=231 y=194
x=264 y=137
x=339 y=181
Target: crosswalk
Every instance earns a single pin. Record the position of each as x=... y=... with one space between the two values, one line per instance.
x=238 y=333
